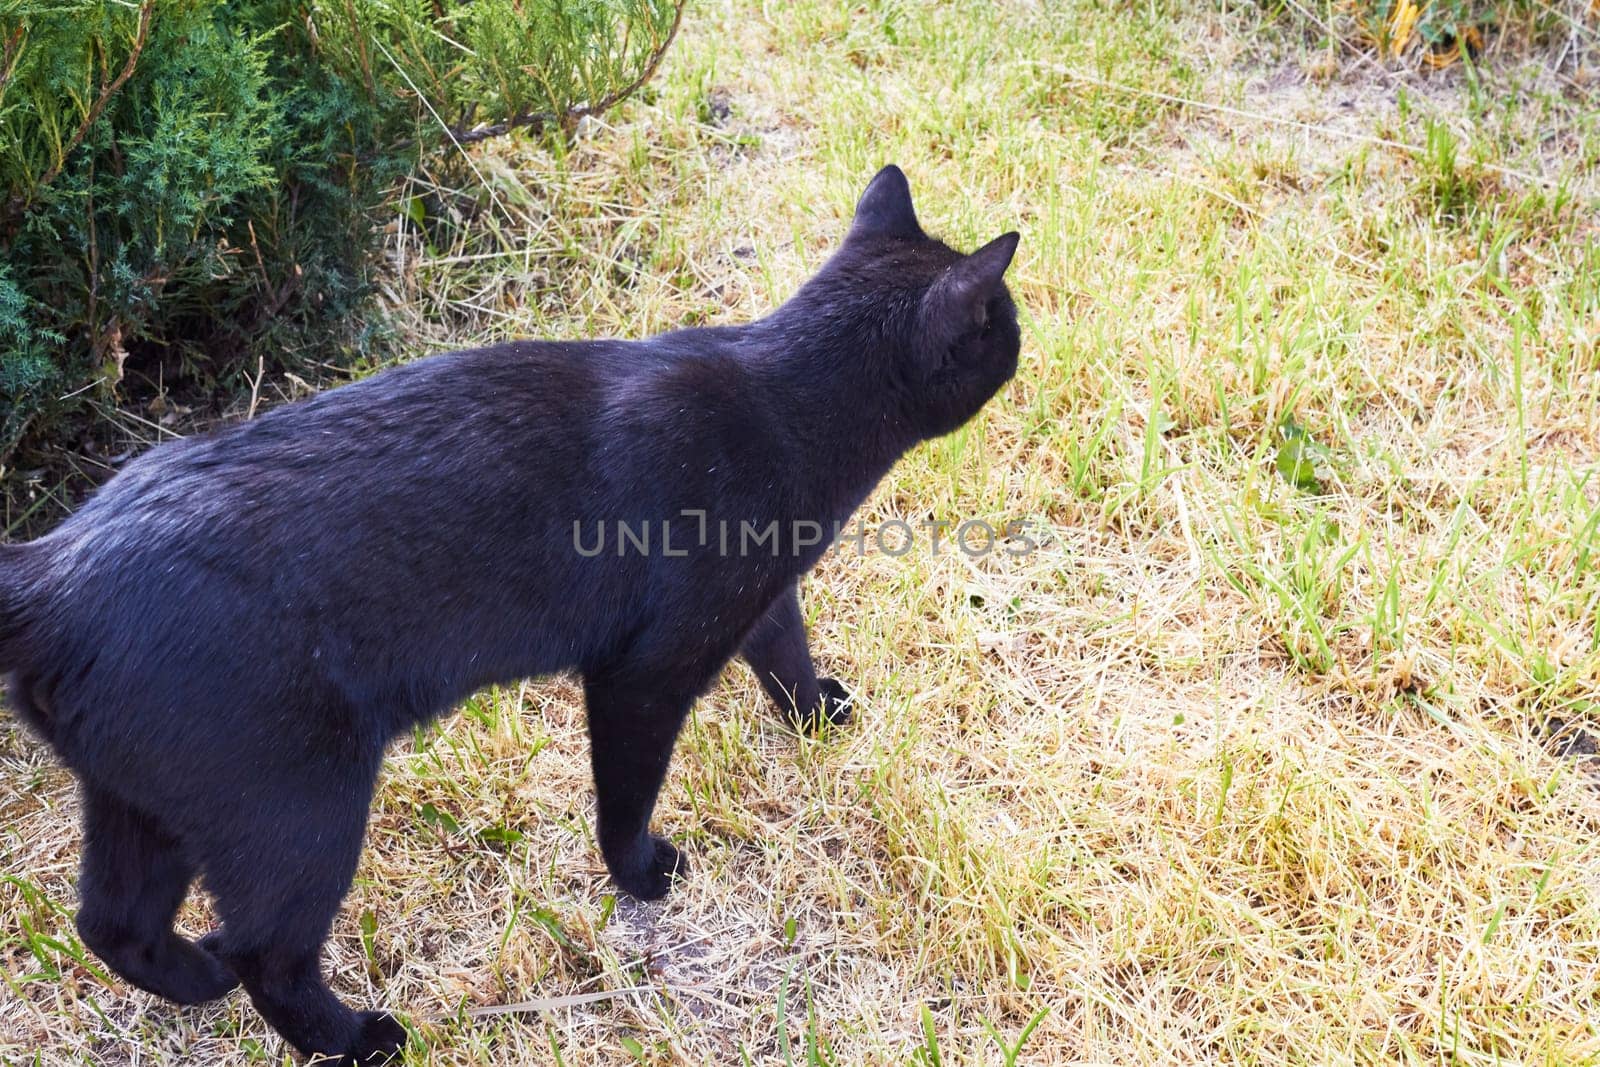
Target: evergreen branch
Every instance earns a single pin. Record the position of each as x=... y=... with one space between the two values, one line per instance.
x=10 y=56
x=542 y=119
x=146 y=10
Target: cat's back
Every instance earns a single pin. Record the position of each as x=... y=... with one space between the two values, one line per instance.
x=391 y=466
x=366 y=448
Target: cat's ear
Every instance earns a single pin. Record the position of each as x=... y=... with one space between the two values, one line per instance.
x=958 y=301
x=885 y=207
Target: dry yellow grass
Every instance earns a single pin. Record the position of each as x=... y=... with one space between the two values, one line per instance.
x=1228 y=771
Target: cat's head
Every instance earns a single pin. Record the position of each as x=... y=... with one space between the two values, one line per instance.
x=947 y=330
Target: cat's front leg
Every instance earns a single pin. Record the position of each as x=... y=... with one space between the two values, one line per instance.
x=632 y=728
x=776 y=650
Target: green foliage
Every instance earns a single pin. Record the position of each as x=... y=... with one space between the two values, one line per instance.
x=188 y=186
x=1302 y=461
x=495 y=60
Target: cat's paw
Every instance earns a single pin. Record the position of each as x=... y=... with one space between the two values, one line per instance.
x=198 y=973
x=213 y=944
x=379 y=1040
x=833 y=708
x=649 y=871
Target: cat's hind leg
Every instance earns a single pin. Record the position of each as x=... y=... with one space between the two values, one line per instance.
x=134 y=877
x=278 y=884
x=776 y=650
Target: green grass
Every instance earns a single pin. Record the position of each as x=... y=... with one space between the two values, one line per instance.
x=1250 y=763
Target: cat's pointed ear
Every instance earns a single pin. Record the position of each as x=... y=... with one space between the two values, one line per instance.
x=885 y=206
x=958 y=301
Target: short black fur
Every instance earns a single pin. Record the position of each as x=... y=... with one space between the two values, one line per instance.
x=224 y=639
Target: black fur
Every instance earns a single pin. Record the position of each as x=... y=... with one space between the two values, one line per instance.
x=222 y=641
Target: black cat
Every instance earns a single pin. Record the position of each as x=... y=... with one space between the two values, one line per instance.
x=222 y=641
